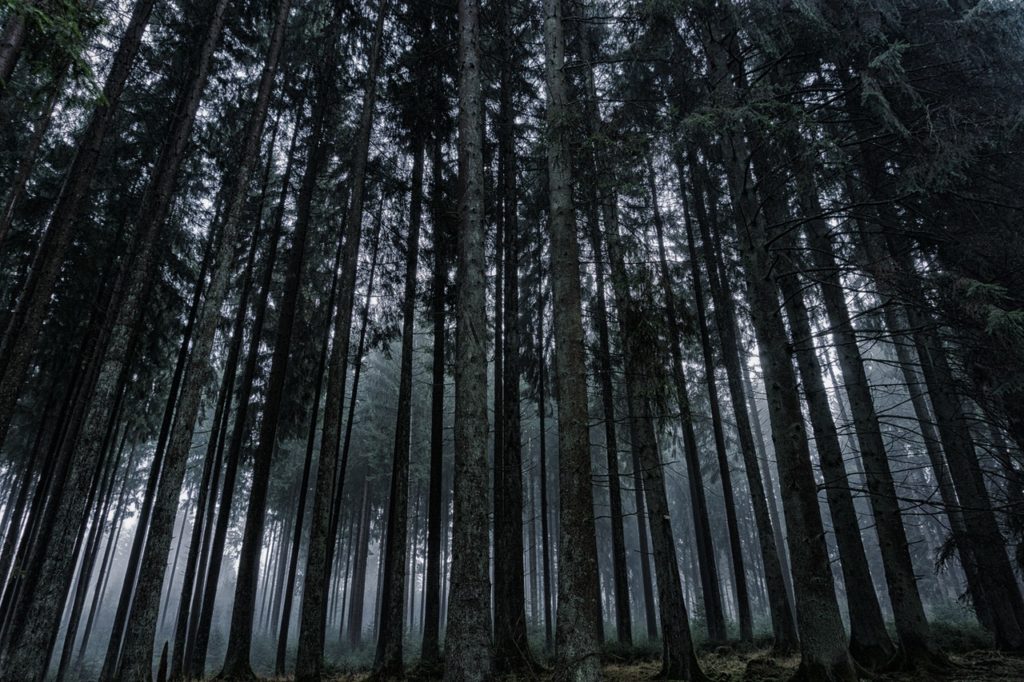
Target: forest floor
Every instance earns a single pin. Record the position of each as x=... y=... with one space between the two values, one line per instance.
x=966 y=645
x=758 y=665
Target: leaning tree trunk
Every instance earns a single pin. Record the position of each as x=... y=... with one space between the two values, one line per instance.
x=22 y=334
x=679 y=661
x=330 y=480
x=12 y=40
x=137 y=656
x=870 y=644
x=908 y=610
x=824 y=646
x=316 y=158
x=1003 y=604
x=468 y=640
x=708 y=571
x=577 y=627
x=202 y=611
x=55 y=562
x=783 y=624
x=190 y=602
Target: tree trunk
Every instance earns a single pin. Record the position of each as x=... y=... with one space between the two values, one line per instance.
x=12 y=40
x=623 y=617
x=701 y=522
x=511 y=642
x=388 y=661
x=1003 y=603
x=468 y=639
x=869 y=642
x=202 y=610
x=824 y=646
x=358 y=587
x=679 y=661
x=429 y=652
x=542 y=410
x=25 y=324
x=137 y=656
x=102 y=508
x=99 y=592
x=577 y=627
x=908 y=610
x=56 y=561
x=783 y=625
x=190 y=602
x=330 y=480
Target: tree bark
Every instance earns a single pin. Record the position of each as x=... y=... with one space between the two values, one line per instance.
x=25 y=324
x=331 y=477
x=137 y=656
x=620 y=577
x=870 y=644
x=12 y=40
x=358 y=587
x=429 y=652
x=577 y=627
x=388 y=662
x=511 y=642
x=824 y=646
x=202 y=616
x=468 y=639
x=56 y=562
x=702 y=524
x=679 y=661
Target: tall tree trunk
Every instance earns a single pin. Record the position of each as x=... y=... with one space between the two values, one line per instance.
x=293 y=562
x=190 y=602
x=203 y=606
x=330 y=480
x=22 y=334
x=388 y=661
x=137 y=656
x=679 y=661
x=99 y=592
x=623 y=617
x=908 y=610
x=869 y=640
x=468 y=639
x=577 y=627
x=702 y=525
x=511 y=642
x=316 y=159
x=1003 y=603
x=12 y=40
x=102 y=508
x=358 y=588
x=824 y=646
x=429 y=652
x=783 y=625
x=55 y=561
x=29 y=155
x=542 y=412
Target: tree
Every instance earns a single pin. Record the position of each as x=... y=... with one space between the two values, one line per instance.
x=468 y=639
x=577 y=624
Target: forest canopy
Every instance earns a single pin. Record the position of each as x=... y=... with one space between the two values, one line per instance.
x=508 y=339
